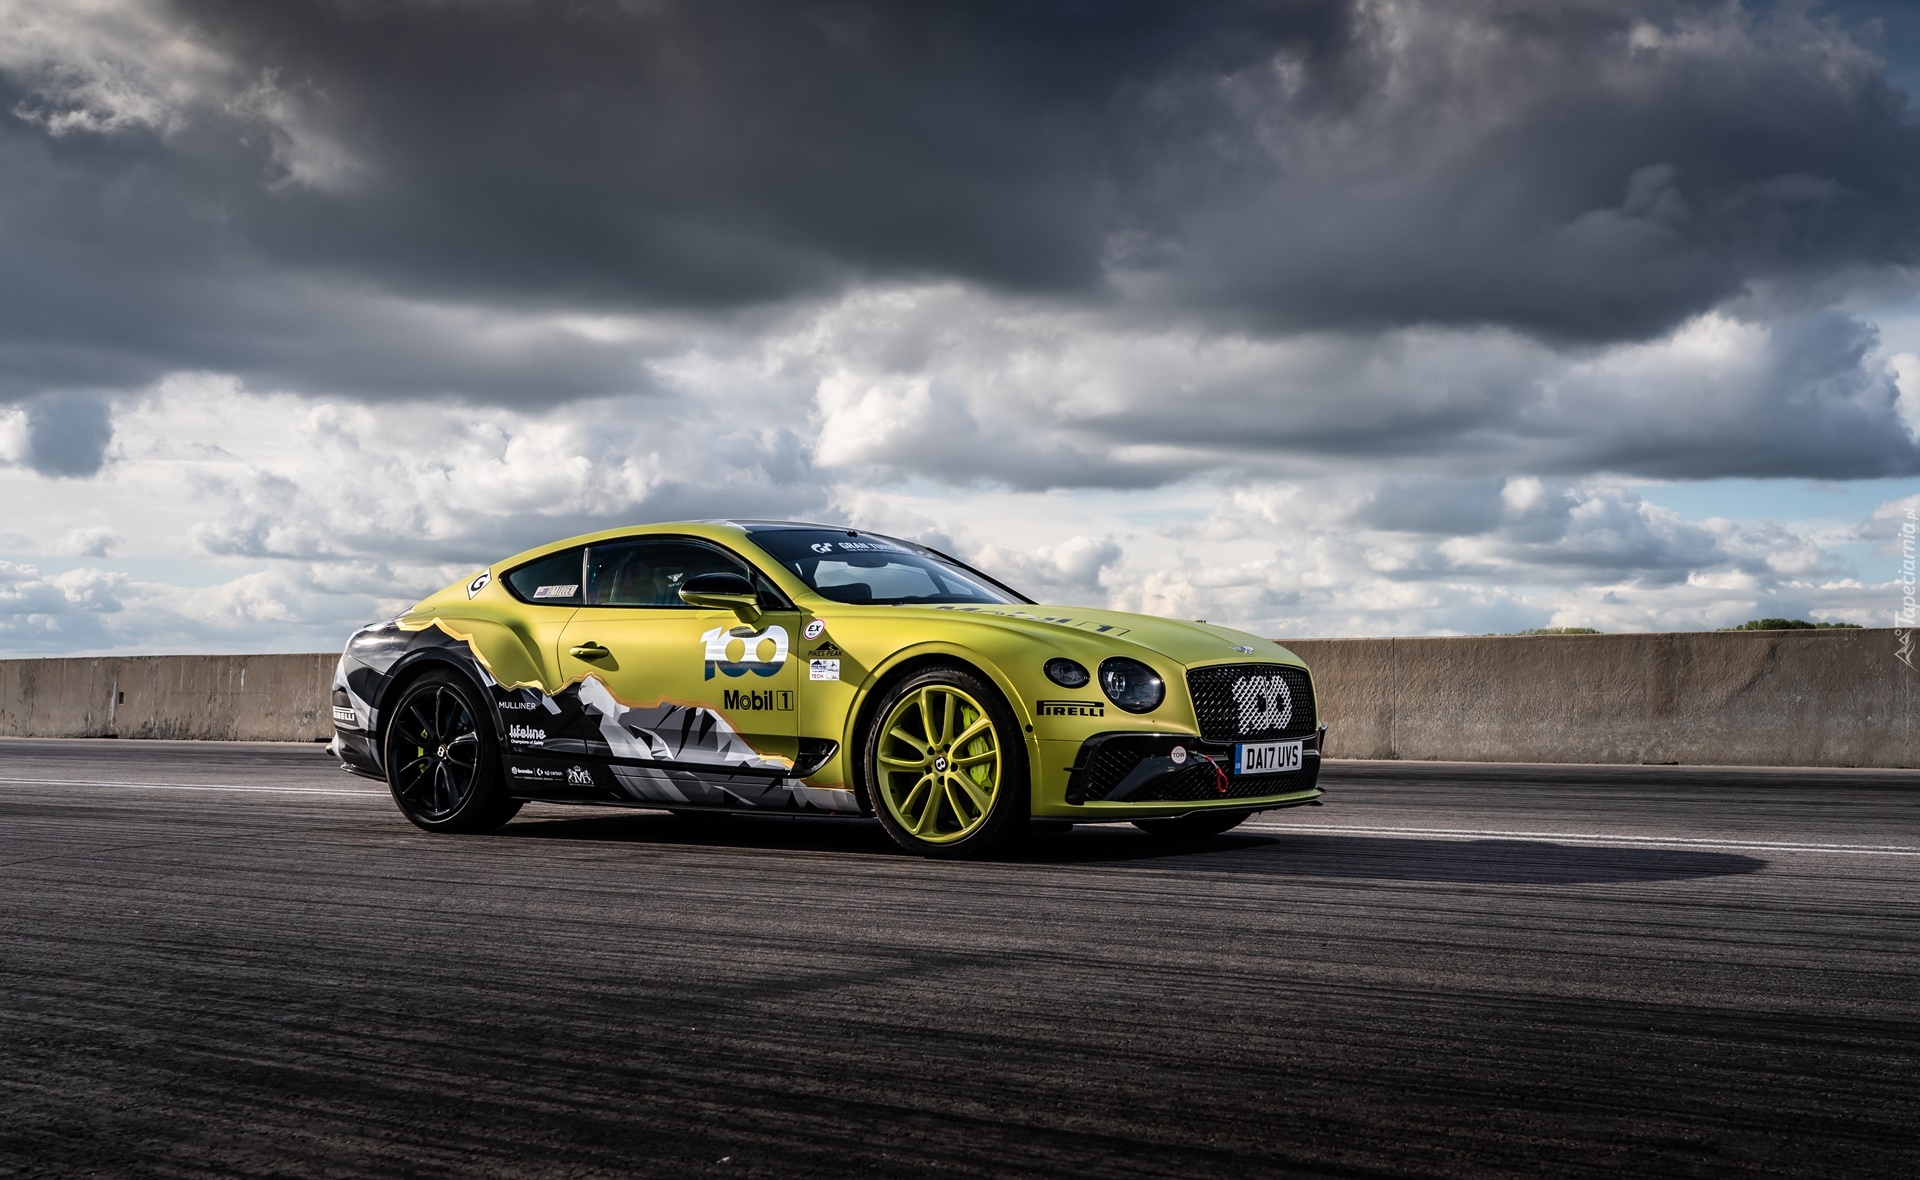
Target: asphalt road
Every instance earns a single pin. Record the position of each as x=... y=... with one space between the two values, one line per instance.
x=236 y=960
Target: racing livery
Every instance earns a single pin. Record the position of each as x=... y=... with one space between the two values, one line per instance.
x=760 y=666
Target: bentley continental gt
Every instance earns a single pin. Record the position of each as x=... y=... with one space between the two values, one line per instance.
x=760 y=666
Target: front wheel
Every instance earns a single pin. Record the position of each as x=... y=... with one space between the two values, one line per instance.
x=946 y=765
x=1190 y=827
x=443 y=764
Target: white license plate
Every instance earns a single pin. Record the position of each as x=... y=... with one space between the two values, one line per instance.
x=1266 y=757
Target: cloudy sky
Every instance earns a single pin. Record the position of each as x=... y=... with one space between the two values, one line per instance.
x=1317 y=317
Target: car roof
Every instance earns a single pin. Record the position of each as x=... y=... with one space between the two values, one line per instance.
x=765 y=525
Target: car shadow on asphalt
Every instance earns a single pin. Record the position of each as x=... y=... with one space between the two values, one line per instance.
x=1300 y=856
x=1449 y=861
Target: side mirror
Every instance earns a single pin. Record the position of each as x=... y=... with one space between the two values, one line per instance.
x=723 y=591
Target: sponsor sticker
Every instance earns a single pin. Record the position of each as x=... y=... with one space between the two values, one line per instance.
x=519 y=704
x=823 y=669
x=747 y=700
x=345 y=716
x=542 y=773
x=579 y=776
x=556 y=591
x=827 y=648
x=479 y=582
x=526 y=735
x=1178 y=754
x=857 y=547
x=763 y=654
x=1071 y=708
x=814 y=629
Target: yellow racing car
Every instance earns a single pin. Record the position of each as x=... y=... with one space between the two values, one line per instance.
x=762 y=666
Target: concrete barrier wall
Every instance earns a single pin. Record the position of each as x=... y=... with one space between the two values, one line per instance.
x=1739 y=698
x=1779 y=698
x=228 y=698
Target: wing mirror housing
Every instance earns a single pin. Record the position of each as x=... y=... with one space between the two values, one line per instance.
x=723 y=591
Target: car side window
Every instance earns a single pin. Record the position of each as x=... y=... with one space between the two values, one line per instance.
x=870 y=578
x=551 y=581
x=649 y=572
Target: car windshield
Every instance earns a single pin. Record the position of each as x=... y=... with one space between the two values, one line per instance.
x=848 y=566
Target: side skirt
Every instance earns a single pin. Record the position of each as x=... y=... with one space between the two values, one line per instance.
x=633 y=782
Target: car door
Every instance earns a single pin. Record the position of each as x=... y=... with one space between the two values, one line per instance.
x=694 y=706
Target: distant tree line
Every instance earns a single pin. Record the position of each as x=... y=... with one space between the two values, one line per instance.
x=1749 y=625
x=1790 y=625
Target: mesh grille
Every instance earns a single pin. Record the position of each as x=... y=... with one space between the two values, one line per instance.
x=1109 y=764
x=1103 y=772
x=1252 y=702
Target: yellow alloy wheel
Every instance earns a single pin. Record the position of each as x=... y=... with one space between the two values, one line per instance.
x=938 y=764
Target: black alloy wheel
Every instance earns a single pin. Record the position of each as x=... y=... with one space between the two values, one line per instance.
x=443 y=763
x=1192 y=827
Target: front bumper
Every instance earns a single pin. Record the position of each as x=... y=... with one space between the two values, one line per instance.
x=1127 y=775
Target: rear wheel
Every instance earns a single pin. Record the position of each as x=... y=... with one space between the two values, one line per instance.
x=443 y=764
x=1188 y=827
x=946 y=765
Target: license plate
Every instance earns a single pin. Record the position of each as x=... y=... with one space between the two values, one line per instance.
x=1266 y=757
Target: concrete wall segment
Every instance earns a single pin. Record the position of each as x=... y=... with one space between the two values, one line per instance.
x=1744 y=698
x=222 y=698
x=1774 y=698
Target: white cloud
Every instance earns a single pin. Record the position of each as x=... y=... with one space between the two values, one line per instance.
x=1282 y=486
x=1072 y=571
x=88 y=541
x=1905 y=368
x=950 y=383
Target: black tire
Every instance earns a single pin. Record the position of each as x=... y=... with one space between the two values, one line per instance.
x=955 y=835
x=442 y=759
x=1192 y=827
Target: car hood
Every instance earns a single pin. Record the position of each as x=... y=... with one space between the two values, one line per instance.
x=1177 y=639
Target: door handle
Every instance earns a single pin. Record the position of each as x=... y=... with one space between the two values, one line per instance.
x=589 y=651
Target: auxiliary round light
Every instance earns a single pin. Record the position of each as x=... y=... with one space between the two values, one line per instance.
x=1067 y=673
x=1132 y=685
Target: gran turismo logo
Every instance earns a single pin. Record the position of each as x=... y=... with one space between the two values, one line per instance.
x=1264 y=703
x=822 y=547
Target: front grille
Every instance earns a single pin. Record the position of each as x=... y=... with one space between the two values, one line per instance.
x=1252 y=702
x=1108 y=762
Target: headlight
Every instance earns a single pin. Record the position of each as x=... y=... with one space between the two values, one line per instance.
x=1132 y=685
x=1067 y=673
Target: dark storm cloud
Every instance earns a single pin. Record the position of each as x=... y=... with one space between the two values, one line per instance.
x=700 y=154
x=67 y=434
x=247 y=215
x=414 y=199
x=1589 y=171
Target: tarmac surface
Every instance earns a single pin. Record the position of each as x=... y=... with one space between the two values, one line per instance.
x=233 y=959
